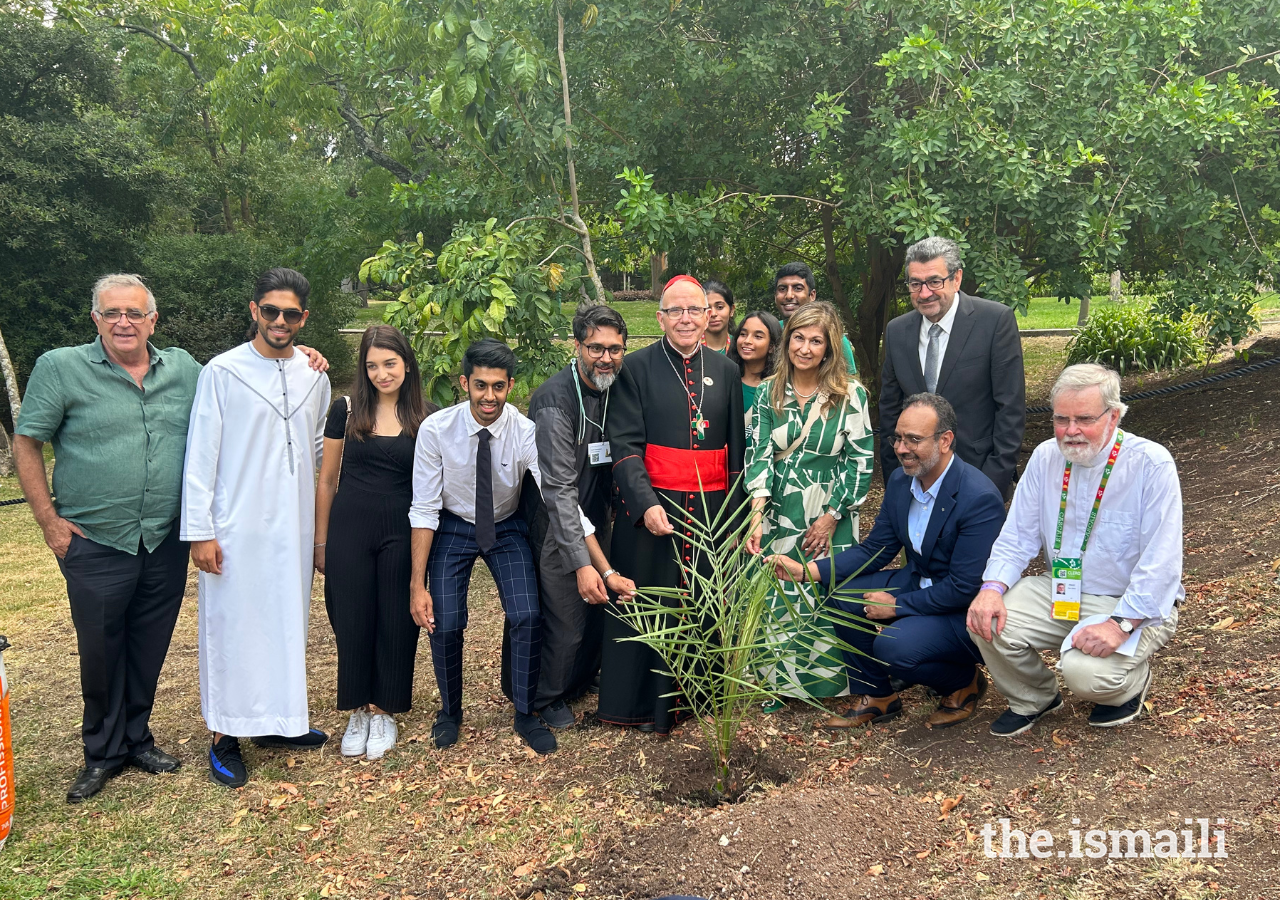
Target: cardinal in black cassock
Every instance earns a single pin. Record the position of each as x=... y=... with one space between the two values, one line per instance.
x=676 y=424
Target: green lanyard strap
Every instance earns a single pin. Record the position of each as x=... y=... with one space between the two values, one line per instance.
x=1097 y=500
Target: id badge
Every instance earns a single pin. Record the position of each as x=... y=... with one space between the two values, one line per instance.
x=598 y=453
x=1065 y=582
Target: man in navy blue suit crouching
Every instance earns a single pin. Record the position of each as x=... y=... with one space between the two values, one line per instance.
x=946 y=514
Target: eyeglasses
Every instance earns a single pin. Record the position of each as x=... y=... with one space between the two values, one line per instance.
x=1078 y=421
x=912 y=440
x=135 y=316
x=271 y=313
x=595 y=351
x=679 y=312
x=935 y=284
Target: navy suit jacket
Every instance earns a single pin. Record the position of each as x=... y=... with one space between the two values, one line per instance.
x=966 y=519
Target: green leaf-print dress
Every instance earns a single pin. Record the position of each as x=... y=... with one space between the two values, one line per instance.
x=831 y=471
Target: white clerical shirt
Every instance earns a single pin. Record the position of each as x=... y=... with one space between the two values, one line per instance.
x=1135 y=551
x=946 y=324
x=444 y=465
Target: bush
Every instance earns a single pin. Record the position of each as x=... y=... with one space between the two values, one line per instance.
x=203 y=284
x=1130 y=338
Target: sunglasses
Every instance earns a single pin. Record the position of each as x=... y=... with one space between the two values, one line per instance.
x=271 y=313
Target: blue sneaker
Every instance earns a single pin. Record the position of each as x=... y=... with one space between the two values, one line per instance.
x=314 y=739
x=225 y=763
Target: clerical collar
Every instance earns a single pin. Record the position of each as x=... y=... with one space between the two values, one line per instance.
x=685 y=356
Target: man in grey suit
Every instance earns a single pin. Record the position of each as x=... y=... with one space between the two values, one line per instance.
x=965 y=348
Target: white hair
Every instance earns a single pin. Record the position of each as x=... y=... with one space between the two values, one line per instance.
x=119 y=280
x=1087 y=375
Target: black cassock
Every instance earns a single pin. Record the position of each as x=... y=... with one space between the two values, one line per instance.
x=658 y=452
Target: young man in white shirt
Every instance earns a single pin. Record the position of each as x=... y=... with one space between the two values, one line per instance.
x=1106 y=507
x=469 y=465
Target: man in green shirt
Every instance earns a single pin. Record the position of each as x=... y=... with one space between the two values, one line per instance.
x=793 y=287
x=116 y=411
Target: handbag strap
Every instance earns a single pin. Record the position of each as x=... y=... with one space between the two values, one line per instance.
x=815 y=410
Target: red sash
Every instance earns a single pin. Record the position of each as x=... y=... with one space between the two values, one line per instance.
x=671 y=469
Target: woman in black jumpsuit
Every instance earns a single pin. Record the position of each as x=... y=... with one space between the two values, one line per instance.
x=362 y=538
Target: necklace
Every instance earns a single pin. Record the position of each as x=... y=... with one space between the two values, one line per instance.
x=697 y=423
x=796 y=391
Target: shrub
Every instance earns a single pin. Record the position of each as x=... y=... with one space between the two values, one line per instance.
x=1130 y=338
x=203 y=284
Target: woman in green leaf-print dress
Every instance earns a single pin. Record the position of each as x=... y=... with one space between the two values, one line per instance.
x=808 y=472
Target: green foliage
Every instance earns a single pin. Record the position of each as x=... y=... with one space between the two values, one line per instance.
x=1133 y=339
x=203 y=284
x=1225 y=303
x=716 y=635
x=485 y=282
x=77 y=183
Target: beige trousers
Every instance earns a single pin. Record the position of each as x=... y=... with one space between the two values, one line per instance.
x=1014 y=661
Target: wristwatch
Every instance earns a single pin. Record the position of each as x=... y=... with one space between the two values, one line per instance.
x=605 y=576
x=1125 y=625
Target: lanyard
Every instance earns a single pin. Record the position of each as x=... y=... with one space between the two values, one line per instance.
x=1097 y=500
x=582 y=410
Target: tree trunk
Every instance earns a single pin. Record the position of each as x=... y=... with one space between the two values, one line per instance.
x=1115 y=287
x=879 y=295
x=576 y=217
x=15 y=407
x=657 y=265
x=1084 y=311
x=832 y=268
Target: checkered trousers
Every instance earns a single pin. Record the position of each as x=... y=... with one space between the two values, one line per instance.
x=453 y=554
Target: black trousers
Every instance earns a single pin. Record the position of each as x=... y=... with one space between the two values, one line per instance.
x=572 y=631
x=124 y=607
x=366 y=593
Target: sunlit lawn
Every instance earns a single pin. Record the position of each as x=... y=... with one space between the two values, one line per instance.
x=1044 y=312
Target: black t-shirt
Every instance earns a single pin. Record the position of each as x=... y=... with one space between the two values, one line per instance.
x=377 y=464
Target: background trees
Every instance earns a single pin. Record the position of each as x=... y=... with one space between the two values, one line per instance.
x=1056 y=140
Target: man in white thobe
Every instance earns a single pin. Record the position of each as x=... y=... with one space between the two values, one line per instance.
x=253 y=448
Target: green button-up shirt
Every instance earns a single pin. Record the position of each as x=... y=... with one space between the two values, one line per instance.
x=118 y=449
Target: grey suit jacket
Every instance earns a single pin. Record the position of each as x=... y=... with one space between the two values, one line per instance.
x=981 y=374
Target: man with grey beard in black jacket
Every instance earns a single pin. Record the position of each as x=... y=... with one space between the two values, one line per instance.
x=570 y=410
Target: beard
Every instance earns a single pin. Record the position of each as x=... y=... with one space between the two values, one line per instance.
x=1080 y=454
x=604 y=380
x=923 y=463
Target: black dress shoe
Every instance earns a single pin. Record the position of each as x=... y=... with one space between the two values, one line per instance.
x=91 y=780
x=535 y=734
x=155 y=761
x=445 y=732
x=646 y=728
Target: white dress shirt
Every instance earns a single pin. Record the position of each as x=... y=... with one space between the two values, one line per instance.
x=921 y=510
x=946 y=324
x=444 y=465
x=1135 y=551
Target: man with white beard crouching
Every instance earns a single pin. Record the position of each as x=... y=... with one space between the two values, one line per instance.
x=1105 y=508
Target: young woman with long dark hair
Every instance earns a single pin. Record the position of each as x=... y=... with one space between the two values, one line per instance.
x=755 y=349
x=363 y=537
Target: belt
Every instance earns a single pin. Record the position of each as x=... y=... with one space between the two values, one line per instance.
x=671 y=469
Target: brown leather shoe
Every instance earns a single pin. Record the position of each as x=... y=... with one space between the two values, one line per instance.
x=957 y=707
x=859 y=709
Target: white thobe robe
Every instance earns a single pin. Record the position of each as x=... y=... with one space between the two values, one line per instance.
x=253 y=447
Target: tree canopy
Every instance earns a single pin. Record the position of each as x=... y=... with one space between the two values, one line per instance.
x=490 y=160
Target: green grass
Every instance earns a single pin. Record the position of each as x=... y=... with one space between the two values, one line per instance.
x=1043 y=312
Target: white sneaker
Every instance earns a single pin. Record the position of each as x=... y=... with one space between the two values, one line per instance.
x=382 y=735
x=357 y=736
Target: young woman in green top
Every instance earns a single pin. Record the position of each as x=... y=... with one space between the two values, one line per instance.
x=754 y=348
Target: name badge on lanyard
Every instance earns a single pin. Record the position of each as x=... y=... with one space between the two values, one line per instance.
x=598 y=453
x=1066 y=574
